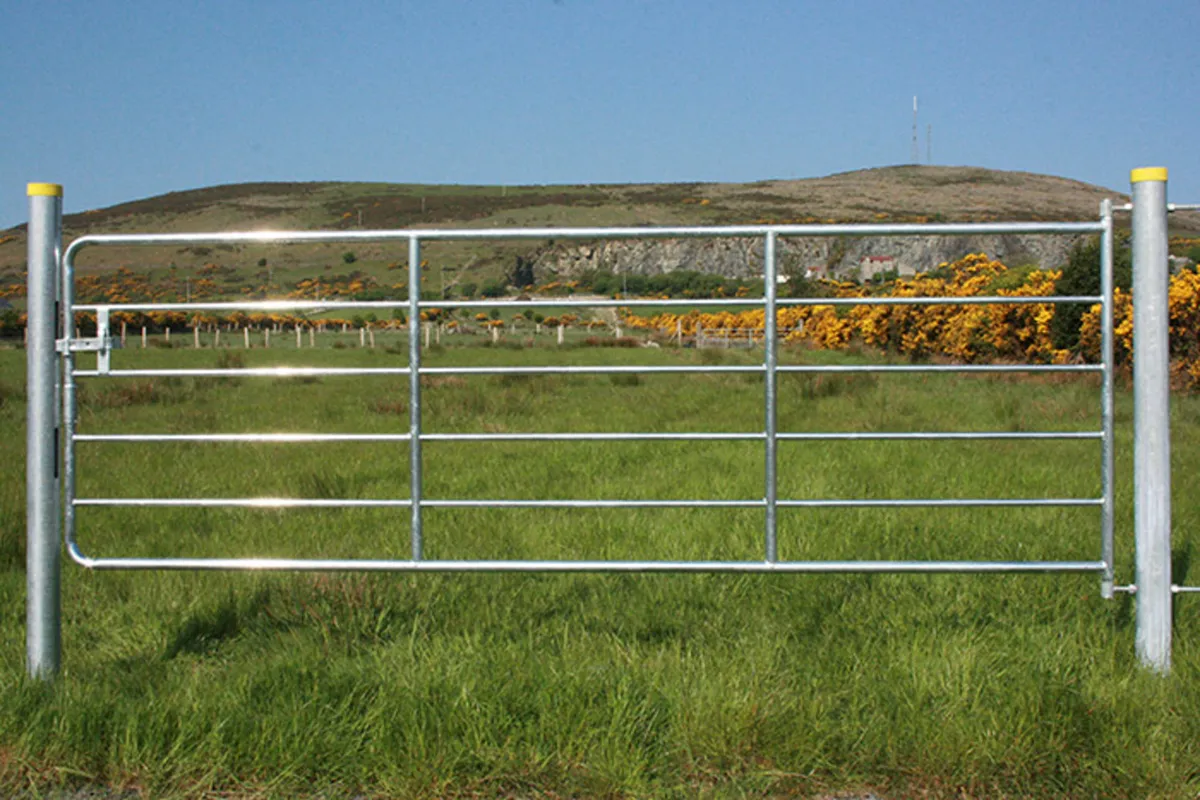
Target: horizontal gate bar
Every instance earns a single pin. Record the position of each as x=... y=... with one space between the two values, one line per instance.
x=940 y=436
x=252 y=438
x=309 y=372
x=284 y=438
x=593 y=437
x=601 y=302
x=899 y=503
x=245 y=372
x=317 y=306
x=450 y=234
x=353 y=565
x=946 y=503
x=592 y=370
x=867 y=300
x=973 y=300
x=427 y=437
x=300 y=502
x=940 y=368
x=291 y=372
x=239 y=502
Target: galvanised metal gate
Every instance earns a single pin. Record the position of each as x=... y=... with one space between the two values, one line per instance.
x=45 y=346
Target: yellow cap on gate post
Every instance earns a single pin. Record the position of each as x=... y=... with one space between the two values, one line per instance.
x=44 y=190
x=1143 y=174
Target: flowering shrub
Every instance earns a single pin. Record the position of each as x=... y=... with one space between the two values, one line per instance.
x=1183 y=298
x=963 y=333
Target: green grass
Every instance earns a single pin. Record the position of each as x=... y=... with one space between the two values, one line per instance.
x=181 y=684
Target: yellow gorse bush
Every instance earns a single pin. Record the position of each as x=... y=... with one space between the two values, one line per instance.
x=1183 y=298
x=963 y=333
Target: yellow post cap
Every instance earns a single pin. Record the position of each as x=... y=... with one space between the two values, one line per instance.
x=44 y=190
x=1148 y=174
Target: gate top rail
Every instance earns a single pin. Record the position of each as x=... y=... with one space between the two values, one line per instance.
x=627 y=232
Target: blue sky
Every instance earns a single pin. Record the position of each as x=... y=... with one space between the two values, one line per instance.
x=123 y=100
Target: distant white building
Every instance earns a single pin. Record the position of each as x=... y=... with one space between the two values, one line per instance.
x=816 y=271
x=870 y=266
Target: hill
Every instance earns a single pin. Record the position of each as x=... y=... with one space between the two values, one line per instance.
x=898 y=194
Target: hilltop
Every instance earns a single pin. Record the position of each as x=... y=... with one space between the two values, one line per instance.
x=898 y=193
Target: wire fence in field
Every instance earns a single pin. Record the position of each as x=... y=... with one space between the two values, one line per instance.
x=228 y=335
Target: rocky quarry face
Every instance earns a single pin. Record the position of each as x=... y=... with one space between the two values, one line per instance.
x=840 y=257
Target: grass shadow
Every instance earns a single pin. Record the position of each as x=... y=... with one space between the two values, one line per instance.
x=1181 y=563
x=204 y=631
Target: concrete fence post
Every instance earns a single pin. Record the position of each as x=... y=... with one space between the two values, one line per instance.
x=1152 y=428
x=43 y=612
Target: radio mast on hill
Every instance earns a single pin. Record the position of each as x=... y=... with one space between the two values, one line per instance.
x=916 y=154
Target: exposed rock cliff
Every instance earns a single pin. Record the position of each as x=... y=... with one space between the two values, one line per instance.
x=842 y=256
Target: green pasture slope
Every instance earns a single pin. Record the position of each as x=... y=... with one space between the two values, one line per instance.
x=335 y=685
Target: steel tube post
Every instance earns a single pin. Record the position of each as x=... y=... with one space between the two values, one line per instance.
x=1151 y=394
x=414 y=389
x=43 y=638
x=1106 y=400
x=769 y=364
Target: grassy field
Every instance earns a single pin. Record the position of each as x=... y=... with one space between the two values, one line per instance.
x=339 y=685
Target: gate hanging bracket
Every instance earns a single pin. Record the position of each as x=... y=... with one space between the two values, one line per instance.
x=98 y=344
x=102 y=346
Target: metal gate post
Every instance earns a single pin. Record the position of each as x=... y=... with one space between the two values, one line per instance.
x=1152 y=426
x=43 y=645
